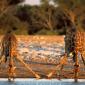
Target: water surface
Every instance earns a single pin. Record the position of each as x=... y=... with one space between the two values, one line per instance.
x=42 y=82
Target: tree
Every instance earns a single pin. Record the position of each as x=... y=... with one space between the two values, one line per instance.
x=44 y=17
x=38 y=17
x=6 y=4
x=7 y=19
x=75 y=8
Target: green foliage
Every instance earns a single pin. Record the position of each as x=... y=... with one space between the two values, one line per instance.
x=77 y=7
x=14 y=2
x=45 y=19
x=38 y=17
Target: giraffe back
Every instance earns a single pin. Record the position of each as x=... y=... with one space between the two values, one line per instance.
x=9 y=45
x=75 y=41
x=80 y=41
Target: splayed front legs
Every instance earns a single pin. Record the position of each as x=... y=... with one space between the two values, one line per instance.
x=12 y=68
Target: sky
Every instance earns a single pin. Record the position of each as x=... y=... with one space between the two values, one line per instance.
x=36 y=2
x=32 y=2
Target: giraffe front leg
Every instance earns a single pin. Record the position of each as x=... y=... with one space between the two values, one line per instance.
x=59 y=67
x=76 y=70
x=11 y=69
x=28 y=67
x=11 y=73
x=76 y=67
x=63 y=62
x=60 y=72
x=49 y=75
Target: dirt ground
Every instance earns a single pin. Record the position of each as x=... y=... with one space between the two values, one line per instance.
x=42 y=69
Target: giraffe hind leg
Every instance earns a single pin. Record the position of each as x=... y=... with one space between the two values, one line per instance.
x=11 y=70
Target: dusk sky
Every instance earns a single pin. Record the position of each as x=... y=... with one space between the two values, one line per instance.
x=32 y=2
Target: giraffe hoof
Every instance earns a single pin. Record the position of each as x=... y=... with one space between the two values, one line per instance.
x=9 y=79
x=38 y=77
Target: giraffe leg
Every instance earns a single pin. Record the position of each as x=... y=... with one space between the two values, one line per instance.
x=11 y=73
x=76 y=69
x=61 y=64
x=49 y=75
x=60 y=72
x=27 y=66
x=11 y=70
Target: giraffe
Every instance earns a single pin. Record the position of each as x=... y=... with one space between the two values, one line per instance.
x=74 y=44
x=9 y=51
x=77 y=45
